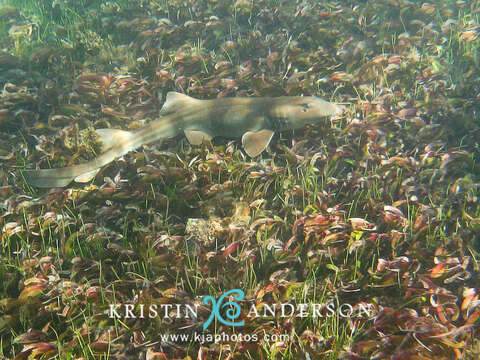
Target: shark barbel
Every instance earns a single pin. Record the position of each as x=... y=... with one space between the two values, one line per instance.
x=254 y=119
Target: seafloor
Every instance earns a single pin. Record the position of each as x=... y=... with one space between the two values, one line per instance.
x=378 y=206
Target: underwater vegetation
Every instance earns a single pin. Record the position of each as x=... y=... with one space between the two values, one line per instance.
x=377 y=206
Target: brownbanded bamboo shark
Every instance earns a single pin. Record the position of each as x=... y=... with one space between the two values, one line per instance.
x=254 y=119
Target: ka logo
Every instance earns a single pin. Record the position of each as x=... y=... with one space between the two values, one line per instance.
x=232 y=312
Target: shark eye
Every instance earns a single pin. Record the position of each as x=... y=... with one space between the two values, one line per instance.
x=305 y=107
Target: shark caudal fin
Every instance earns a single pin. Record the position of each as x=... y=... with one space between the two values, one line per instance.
x=49 y=178
x=115 y=143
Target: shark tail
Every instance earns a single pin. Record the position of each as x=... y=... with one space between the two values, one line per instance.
x=48 y=178
x=116 y=142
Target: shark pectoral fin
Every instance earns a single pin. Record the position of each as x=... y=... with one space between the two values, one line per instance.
x=196 y=137
x=254 y=142
x=112 y=137
x=86 y=177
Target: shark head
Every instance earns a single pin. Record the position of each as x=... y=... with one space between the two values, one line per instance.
x=296 y=112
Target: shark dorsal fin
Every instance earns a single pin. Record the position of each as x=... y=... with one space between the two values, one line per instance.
x=176 y=101
x=112 y=137
x=254 y=142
